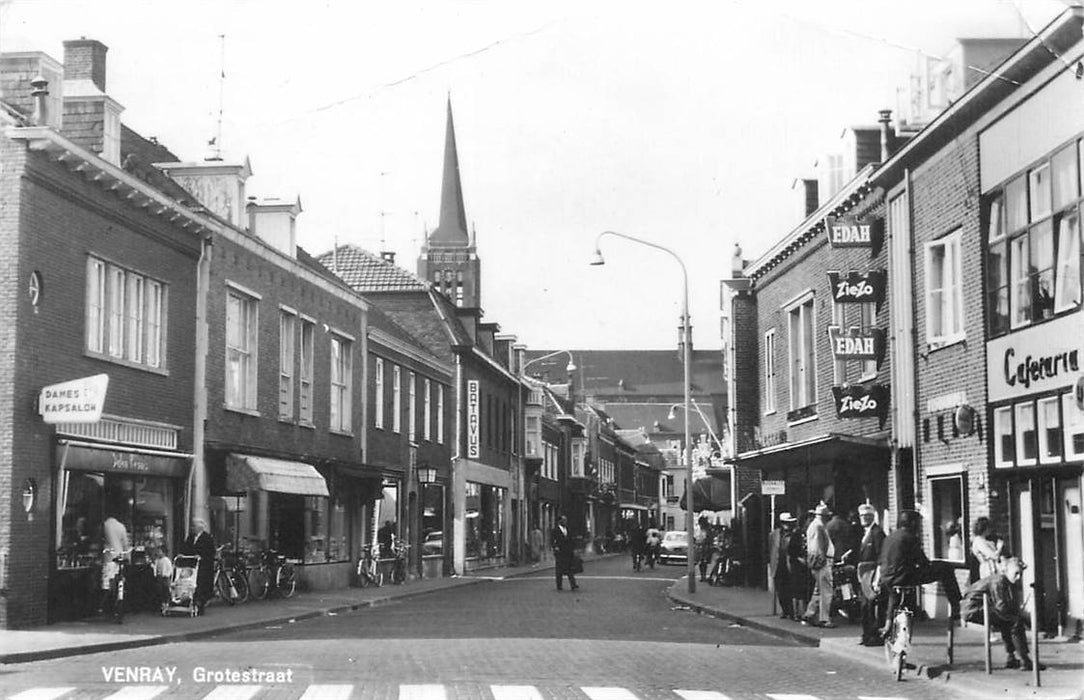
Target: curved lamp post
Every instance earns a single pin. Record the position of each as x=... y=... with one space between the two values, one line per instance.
x=686 y=333
x=715 y=438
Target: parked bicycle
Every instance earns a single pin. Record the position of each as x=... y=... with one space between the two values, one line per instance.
x=898 y=640
x=275 y=574
x=399 y=566
x=368 y=569
x=114 y=580
x=231 y=582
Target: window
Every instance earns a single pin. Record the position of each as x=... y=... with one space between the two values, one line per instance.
x=997 y=268
x=412 y=408
x=287 y=352
x=427 y=420
x=378 y=410
x=341 y=366
x=803 y=380
x=440 y=413
x=241 y=323
x=947 y=501
x=308 y=338
x=1074 y=427
x=769 y=372
x=1067 y=270
x=944 y=291
x=1026 y=446
x=124 y=314
x=579 y=448
x=1050 y=433
x=396 y=399
x=1004 y=441
x=549 y=460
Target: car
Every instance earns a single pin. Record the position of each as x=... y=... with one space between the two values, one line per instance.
x=434 y=543
x=674 y=548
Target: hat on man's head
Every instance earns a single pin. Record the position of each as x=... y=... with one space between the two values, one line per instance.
x=867 y=508
x=822 y=509
x=787 y=518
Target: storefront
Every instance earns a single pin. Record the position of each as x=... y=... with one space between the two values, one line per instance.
x=485 y=523
x=143 y=489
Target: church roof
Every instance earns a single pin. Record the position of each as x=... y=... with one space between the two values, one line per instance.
x=452 y=229
x=366 y=272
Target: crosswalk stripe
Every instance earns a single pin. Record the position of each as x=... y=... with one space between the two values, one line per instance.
x=702 y=695
x=422 y=692
x=515 y=692
x=233 y=692
x=327 y=692
x=41 y=694
x=605 y=693
x=138 y=692
x=880 y=697
x=789 y=696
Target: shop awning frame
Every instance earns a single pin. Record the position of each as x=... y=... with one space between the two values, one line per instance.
x=802 y=448
x=252 y=473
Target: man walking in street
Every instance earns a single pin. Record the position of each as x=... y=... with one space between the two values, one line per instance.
x=819 y=559
x=869 y=553
x=779 y=565
x=564 y=553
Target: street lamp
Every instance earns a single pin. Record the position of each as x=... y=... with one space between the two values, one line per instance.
x=714 y=438
x=571 y=367
x=686 y=333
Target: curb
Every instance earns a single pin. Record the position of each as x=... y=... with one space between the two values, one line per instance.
x=807 y=640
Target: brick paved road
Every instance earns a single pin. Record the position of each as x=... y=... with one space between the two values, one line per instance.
x=617 y=638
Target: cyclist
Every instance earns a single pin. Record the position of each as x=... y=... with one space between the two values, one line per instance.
x=654 y=539
x=637 y=543
x=114 y=542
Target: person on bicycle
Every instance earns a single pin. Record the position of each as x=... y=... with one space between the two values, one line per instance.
x=637 y=543
x=903 y=563
x=653 y=541
x=201 y=543
x=114 y=543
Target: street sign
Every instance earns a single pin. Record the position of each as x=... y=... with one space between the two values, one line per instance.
x=773 y=488
x=76 y=401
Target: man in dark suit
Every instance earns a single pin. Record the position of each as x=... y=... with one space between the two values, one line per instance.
x=869 y=553
x=778 y=565
x=201 y=543
x=563 y=553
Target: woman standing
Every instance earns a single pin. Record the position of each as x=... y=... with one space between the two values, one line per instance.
x=987 y=548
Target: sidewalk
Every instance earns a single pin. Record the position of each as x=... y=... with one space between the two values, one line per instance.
x=751 y=607
x=145 y=629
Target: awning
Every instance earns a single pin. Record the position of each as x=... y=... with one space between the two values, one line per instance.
x=830 y=446
x=710 y=493
x=245 y=473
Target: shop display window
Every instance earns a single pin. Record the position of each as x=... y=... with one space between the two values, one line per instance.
x=432 y=519
x=1027 y=447
x=947 y=499
x=1074 y=427
x=386 y=510
x=1050 y=440
x=485 y=521
x=1004 y=440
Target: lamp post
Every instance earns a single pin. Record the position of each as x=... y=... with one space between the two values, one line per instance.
x=571 y=367
x=715 y=438
x=686 y=333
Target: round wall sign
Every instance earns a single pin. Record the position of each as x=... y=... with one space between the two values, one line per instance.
x=34 y=288
x=964 y=419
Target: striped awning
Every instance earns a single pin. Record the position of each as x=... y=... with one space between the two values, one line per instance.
x=249 y=473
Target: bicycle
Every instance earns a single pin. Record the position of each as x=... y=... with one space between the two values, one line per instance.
x=399 y=566
x=368 y=571
x=898 y=640
x=276 y=574
x=231 y=583
x=114 y=580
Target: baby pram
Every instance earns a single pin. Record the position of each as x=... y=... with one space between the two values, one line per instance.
x=182 y=587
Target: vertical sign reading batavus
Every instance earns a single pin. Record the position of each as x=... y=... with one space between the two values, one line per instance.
x=473 y=442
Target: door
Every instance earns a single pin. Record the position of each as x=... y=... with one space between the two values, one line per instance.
x=1023 y=532
x=1069 y=500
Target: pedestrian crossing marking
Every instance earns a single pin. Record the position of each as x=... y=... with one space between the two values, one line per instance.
x=789 y=696
x=605 y=693
x=422 y=692
x=880 y=697
x=233 y=692
x=328 y=692
x=515 y=692
x=702 y=695
x=41 y=694
x=138 y=692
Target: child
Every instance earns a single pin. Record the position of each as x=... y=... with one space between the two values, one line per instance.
x=163 y=573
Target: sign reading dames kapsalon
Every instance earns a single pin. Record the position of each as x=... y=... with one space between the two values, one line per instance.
x=473 y=441
x=1040 y=358
x=77 y=401
x=852 y=232
x=858 y=287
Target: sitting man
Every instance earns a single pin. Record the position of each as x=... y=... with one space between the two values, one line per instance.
x=1006 y=613
x=903 y=563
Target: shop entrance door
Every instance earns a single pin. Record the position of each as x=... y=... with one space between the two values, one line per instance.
x=1069 y=500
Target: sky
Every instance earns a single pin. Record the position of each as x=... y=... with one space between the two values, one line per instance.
x=684 y=126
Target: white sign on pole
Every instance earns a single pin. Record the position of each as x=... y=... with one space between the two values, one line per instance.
x=77 y=401
x=773 y=488
x=473 y=427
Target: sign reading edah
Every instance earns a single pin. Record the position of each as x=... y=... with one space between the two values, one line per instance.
x=473 y=428
x=76 y=401
x=857 y=344
x=853 y=232
x=859 y=287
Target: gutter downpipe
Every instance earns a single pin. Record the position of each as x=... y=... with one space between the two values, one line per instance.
x=197 y=502
x=459 y=497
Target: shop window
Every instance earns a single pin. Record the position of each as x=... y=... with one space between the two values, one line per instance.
x=947 y=499
x=341 y=383
x=386 y=516
x=124 y=314
x=308 y=335
x=287 y=336
x=1004 y=438
x=432 y=519
x=944 y=291
x=484 y=522
x=241 y=349
x=378 y=403
x=1050 y=432
x=1074 y=427
x=1027 y=447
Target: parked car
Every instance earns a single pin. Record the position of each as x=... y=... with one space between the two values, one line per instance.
x=434 y=543
x=674 y=548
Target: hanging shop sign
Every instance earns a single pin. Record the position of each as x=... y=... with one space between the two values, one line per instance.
x=855 y=232
x=859 y=287
x=861 y=401
x=77 y=401
x=773 y=488
x=857 y=344
x=473 y=428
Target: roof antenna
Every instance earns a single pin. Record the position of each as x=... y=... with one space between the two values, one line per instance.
x=216 y=142
x=383 y=213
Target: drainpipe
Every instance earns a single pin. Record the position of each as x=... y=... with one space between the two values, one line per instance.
x=199 y=487
x=459 y=486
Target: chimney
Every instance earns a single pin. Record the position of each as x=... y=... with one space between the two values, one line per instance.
x=84 y=59
x=388 y=256
x=217 y=185
x=274 y=221
x=91 y=117
x=888 y=134
x=18 y=73
x=808 y=195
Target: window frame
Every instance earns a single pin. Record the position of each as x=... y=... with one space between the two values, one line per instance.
x=288 y=339
x=378 y=390
x=124 y=315
x=427 y=407
x=412 y=406
x=306 y=372
x=341 y=391
x=248 y=303
x=802 y=351
x=396 y=399
x=951 y=329
x=440 y=414
x=770 y=372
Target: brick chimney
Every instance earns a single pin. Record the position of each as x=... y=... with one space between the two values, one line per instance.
x=18 y=70
x=91 y=117
x=84 y=59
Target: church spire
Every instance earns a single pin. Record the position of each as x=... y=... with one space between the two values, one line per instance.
x=452 y=228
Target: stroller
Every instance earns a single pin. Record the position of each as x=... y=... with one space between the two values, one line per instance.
x=182 y=588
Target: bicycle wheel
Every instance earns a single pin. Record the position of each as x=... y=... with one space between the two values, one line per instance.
x=222 y=587
x=398 y=572
x=897 y=670
x=258 y=583
x=240 y=584
x=286 y=580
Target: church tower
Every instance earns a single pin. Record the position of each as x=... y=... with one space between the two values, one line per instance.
x=449 y=258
